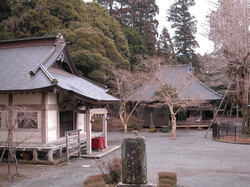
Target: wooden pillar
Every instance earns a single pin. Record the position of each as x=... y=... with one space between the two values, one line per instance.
x=60 y=152
x=11 y=118
x=45 y=118
x=50 y=155
x=237 y=111
x=79 y=143
x=67 y=148
x=78 y=121
x=35 y=157
x=88 y=133
x=151 y=117
x=105 y=129
x=200 y=115
x=214 y=113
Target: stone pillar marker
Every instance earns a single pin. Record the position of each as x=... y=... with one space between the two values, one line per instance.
x=134 y=163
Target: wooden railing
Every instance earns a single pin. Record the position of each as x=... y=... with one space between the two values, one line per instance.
x=73 y=143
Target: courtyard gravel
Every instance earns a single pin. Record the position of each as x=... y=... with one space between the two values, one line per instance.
x=198 y=161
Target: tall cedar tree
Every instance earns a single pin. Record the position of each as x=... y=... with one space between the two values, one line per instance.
x=4 y=9
x=185 y=29
x=165 y=47
x=137 y=14
x=135 y=42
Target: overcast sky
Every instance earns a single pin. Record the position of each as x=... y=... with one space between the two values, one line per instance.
x=200 y=11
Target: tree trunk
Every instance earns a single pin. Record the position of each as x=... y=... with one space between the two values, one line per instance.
x=125 y=128
x=173 y=122
x=245 y=116
x=124 y=124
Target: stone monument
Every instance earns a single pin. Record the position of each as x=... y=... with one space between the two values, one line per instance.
x=134 y=163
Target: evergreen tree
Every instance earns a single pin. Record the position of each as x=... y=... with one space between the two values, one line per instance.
x=138 y=14
x=4 y=9
x=185 y=29
x=135 y=42
x=108 y=4
x=165 y=46
x=141 y=14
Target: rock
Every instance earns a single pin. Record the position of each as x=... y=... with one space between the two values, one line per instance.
x=134 y=161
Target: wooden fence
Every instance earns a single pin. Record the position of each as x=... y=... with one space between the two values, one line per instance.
x=73 y=143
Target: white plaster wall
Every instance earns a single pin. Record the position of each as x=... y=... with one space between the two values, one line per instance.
x=4 y=99
x=52 y=98
x=4 y=117
x=35 y=98
x=52 y=125
x=28 y=136
x=3 y=135
x=81 y=121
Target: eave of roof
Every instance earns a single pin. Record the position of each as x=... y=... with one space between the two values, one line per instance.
x=34 y=74
x=28 y=39
x=179 y=77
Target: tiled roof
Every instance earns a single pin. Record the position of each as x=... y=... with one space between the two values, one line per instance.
x=179 y=77
x=29 y=67
x=79 y=85
x=15 y=65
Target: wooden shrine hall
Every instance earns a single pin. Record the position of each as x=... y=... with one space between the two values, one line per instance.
x=43 y=97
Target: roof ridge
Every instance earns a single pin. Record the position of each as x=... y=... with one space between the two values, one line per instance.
x=48 y=75
x=28 y=39
x=52 y=51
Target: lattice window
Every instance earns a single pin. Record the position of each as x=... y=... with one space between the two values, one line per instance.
x=27 y=120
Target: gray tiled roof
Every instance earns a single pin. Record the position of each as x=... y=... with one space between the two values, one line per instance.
x=15 y=65
x=17 y=62
x=178 y=77
x=79 y=85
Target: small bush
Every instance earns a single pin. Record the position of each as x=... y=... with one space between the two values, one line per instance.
x=165 y=129
x=111 y=171
x=114 y=173
x=94 y=180
x=167 y=179
x=135 y=123
x=152 y=129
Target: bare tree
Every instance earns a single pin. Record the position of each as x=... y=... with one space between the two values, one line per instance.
x=126 y=83
x=213 y=72
x=169 y=87
x=229 y=29
x=15 y=115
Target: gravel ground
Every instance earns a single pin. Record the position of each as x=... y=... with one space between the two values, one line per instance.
x=198 y=161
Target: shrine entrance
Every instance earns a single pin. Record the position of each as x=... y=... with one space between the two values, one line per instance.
x=90 y=114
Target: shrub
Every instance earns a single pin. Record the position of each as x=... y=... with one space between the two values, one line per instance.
x=165 y=129
x=152 y=129
x=167 y=179
x=111 y=172
x=94 y=181
x=135 y=123
x=114 y=174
